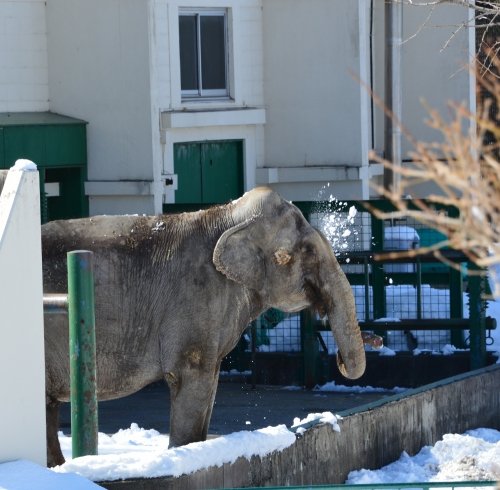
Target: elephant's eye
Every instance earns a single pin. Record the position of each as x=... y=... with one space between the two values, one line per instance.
x=307 y=250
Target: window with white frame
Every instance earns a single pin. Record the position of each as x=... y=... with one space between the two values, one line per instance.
x=203 y=53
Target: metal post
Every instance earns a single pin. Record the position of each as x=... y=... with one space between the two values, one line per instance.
x=419 y=288
x=309 y=348
x=378 y=272
x=456 y=306
x=477 y=318
x=55 y=304
x=393 y=98
x=366 y=269
x=256 y=325
x=456 y=294
x=82 y=353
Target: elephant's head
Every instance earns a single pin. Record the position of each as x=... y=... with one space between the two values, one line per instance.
x=275 y=251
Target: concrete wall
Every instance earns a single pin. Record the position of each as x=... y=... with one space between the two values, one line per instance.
x=23 y=53
x=370 y=437
x=22 y=364
x=99 y=71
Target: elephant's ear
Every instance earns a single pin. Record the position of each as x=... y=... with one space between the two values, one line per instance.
x=237 y=255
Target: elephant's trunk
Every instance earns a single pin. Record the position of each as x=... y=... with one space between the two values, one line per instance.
x=341 y=310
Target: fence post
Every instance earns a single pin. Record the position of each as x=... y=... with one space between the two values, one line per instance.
x=309 y=348
x=477 y=318
x=378 y=275
x=82 y=353
x=456 y=306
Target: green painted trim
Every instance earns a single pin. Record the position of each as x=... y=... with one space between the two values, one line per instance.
x=416 y=391
x=36 y=119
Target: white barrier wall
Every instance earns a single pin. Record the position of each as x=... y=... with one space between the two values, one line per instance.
x=22 y=365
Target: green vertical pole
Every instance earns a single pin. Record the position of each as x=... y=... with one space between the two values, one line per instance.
x=378 y=272
x=256 y=326
x=456 y=293
x=82 y=353
x=366 y=268
x=456 y=306
x=310 y=349
x=419 y=288
x=378 y=275
x=477 y=319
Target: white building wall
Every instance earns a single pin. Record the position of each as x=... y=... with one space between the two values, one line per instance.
x=99 y=71
x=22 y=363
x=434 y=66
x=241 y=116
x=317 y=110
x=300 y=65
x=245 y=45
x=23 y=56
x=312 y=62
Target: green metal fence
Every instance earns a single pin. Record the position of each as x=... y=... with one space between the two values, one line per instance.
x=417 y=305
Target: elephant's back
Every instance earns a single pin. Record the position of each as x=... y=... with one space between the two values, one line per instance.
x=107 y=236
x=91 y=233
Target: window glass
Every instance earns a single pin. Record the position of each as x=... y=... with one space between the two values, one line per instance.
x=213 y=52
x=203 y=52
x=188 y=42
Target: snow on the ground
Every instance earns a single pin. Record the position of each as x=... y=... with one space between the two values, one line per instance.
x=136 y=452
x=472 y=456
x=25 y=475
x=334 y=387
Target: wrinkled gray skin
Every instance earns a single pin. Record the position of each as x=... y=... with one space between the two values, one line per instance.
x=174 y=294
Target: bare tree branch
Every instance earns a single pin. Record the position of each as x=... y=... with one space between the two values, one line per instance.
x=466 y=171
x=484 y=15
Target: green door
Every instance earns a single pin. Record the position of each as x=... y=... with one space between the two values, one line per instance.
x=187 y=166
x=208 y=172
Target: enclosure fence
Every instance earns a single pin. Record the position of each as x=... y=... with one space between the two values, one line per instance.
x=418 y=305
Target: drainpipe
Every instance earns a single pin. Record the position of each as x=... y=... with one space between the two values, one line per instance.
x=392 y=130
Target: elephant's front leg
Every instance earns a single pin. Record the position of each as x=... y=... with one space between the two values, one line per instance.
x=54 y=454
x=192 y=394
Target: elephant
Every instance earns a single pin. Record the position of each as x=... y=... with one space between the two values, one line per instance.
x=174 y=293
